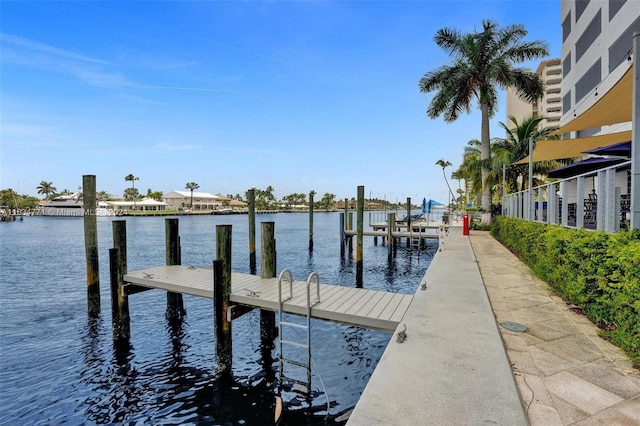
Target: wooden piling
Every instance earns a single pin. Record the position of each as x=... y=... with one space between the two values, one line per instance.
x=342 y=234
x=221 y=293
x=391 y=225
x=311 y=194
x=350 y=228
x=89 y=204
x=120 y=319
x=268 y=329
x=408 y=220
x=251 y=198
x=175 y=304
x=359 y=234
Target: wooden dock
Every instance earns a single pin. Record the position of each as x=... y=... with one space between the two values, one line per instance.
x=419 y=229
x=395 y=234
x=365 y=308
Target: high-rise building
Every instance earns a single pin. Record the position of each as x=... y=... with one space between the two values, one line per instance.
x=596 y=54
x=549 y=106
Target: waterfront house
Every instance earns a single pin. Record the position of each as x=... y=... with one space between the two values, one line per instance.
x=202 y=201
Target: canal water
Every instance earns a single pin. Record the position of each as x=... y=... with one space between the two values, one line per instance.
x=58 y=366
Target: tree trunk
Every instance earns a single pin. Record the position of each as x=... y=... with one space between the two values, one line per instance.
x=485 y=156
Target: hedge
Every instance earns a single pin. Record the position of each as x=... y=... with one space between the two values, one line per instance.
x=596 y=271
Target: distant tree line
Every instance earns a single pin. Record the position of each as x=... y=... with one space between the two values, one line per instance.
x=265 y=199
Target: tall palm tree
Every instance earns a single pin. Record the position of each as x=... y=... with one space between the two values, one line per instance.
x=46 y=188
x=444 y=164
x=192 y=186
x=483 y=63
x=131 y=178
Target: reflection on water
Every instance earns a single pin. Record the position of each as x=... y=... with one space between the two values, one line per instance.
x=57 y=365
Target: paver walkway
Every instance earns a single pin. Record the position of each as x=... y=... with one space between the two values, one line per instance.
x=566 y=374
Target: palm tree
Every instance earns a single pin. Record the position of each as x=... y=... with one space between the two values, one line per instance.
x=131 y=178
x=103 y=196
x=192 y=186
x=516 y=147
x=470 y=169
x=46 y=188
x=483 y=62
x=444 y=164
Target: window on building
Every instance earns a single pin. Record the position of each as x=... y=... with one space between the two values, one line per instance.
x=581 y=5
x=566 y=65
x=589 y=80
x=566 y=102
x=619 y=50
x=566 y=26
x=614 y=7
x=587 y=132
x=588 y=36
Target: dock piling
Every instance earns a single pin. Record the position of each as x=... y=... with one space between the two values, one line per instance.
x=311 y=194
x=408 y=219
x=175 y=304
x=120 y=318
x=89 y=204
x=391 y=224
x=359 y=234
x=342 y=234
x=221 y=293
x=268 y=329
x=251 y=198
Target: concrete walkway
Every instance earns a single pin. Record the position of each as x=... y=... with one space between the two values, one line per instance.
x=566 y=373
x=453 y=368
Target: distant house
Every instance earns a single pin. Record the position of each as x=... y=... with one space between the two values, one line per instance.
x=237 y=205
x=146 y=204
x=202 y=201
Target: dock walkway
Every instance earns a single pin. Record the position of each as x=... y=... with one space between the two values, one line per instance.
x=379 y=310
x=454 y=369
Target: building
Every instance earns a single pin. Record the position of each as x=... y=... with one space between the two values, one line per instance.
x=599 y=66
x=550 y=106
x=146 y=204
x=596 y=54
x=202 y=201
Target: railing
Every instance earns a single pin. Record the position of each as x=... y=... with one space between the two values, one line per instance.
x=568 y=202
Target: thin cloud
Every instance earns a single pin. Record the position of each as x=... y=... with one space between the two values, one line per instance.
x=168 y=146
x=260 y=55
x=47 y=48
x=91 y=71
x=196 y=89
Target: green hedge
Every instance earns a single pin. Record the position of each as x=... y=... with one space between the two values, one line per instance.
x=596 y=271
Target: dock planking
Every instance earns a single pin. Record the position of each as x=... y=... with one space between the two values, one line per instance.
x=365 y=308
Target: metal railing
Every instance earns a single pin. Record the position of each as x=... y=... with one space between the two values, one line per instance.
x=571 y=203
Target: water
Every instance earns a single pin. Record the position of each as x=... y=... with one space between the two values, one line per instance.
x=57 y=365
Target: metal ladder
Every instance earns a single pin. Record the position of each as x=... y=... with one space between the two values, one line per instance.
x=286 y=275
x=415 y=241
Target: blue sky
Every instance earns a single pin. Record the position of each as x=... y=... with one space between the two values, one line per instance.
x=299 y=95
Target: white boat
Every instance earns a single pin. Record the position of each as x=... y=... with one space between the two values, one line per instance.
x=224 y=210
x=64 y=205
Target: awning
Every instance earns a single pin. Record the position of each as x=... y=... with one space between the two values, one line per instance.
x=584 y=166
x=613 y=107
x=571 y=148
x=622 y=149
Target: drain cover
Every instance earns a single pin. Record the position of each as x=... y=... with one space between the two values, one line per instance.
x=513 y=326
